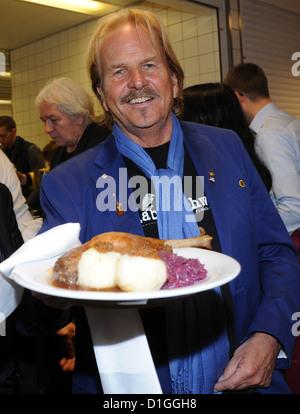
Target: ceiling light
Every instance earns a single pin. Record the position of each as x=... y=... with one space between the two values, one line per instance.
x=4 y=73
x=80 y=6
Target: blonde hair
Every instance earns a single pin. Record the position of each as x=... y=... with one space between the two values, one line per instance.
x=70 y=97
x=158 y=36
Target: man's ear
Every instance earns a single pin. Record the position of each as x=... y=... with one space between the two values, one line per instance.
x=240 y=96
x=175 y=86
x=80 y=120
x=102 y=98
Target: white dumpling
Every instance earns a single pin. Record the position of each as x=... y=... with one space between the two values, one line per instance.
x=97 y=270
x=140 y=274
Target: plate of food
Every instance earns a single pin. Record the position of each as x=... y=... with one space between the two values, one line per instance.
x=119 y=269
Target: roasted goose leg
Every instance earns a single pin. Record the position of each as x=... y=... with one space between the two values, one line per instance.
x=127 y=243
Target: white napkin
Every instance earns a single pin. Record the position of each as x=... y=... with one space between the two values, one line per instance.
x=10 y=297
x=45 y=245
x=49 y=244
x=122 y=352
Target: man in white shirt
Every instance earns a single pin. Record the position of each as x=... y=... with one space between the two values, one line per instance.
x=277 y=139
x=28 y=226
x=277 y=142
x=10 y=293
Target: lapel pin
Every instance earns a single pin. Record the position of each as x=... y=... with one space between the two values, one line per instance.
x=211 y=178
x=242 y=184
x=119 y=207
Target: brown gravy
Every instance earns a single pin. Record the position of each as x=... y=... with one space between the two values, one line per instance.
x=59 y=284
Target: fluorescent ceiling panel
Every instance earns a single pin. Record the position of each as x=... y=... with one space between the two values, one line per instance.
x=79 y=6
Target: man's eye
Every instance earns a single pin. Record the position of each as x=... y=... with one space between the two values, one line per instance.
x=149 y=65
x=119 y=72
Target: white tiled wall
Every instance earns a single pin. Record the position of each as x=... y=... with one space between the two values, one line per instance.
x=234 y=20
x=6 y=109
x=194 y=37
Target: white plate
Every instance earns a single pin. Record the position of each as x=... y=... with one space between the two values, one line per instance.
x=221 y=269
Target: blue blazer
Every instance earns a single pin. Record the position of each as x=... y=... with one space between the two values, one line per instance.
x=267 y=292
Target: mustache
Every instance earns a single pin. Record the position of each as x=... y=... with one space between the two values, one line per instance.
x=149 y=93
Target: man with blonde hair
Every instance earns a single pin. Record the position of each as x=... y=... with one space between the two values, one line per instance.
x=226 y=338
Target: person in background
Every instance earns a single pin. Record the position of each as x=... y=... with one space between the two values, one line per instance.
x=277 y=143
x=216 y=104
x=68 y=114
x=219 y=340
x=10 y=240
x=33 y=179
x=28 y=227
x=277 y=140
x=48 y=153
x=27 y=224
x=25 y=155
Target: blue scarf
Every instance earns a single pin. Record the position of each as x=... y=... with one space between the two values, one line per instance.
x=196 y=331
x=175 y=218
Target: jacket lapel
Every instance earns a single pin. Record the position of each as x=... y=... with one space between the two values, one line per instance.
x=207 y=163
x=111 y=180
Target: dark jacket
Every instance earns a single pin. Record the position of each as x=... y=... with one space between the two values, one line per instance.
x=93 y=135
x=26 y=157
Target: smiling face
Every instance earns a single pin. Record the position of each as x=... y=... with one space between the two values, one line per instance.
x=137 y=86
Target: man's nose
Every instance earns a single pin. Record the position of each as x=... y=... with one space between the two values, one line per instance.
x=48 y=126
x=137 y=79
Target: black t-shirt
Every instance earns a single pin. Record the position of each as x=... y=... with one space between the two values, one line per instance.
x=196 y=198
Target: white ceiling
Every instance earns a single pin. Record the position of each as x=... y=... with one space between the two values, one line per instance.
x=22 y=23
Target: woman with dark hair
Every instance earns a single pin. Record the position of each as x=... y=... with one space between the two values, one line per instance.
x=216 y=104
